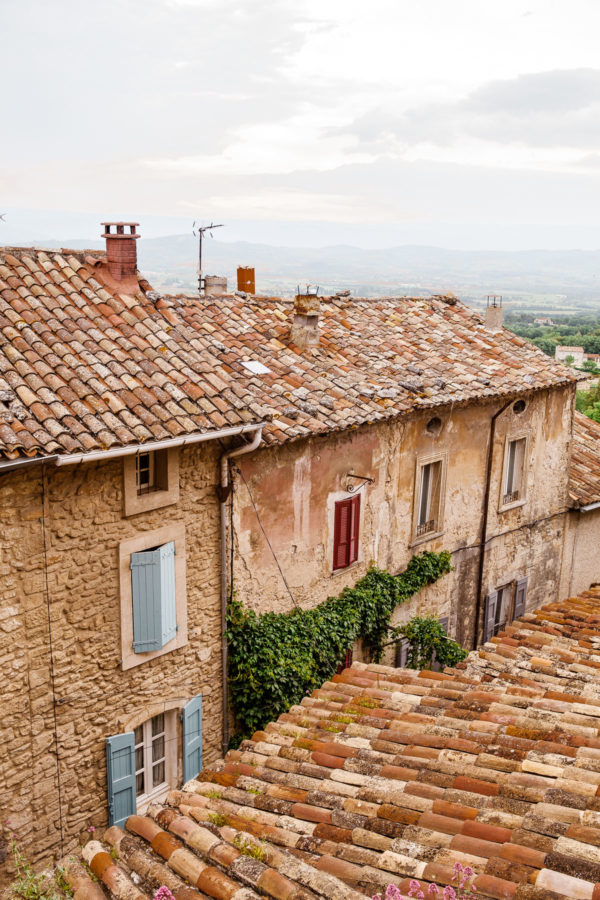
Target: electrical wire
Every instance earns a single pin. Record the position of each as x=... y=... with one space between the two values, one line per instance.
x=52 y=677
x=239 y=471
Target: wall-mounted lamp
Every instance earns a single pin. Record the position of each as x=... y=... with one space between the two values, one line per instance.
x=362 y=479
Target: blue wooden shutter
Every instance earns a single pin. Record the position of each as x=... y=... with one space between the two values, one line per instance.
x=520 y=597
x=153 y=597
x=120 y=776
x=191 y=718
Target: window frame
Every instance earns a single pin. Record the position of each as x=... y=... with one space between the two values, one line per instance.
x=146 y=541
x=514 y=504
x=166 y=482
x=421 y=463
x=169 y=758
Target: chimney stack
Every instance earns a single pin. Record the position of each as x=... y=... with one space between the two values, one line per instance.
x=493 y=312
x=305 y=324
x=245 y=279
x=121 y=250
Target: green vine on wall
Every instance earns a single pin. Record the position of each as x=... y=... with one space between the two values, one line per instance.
x=275 y=659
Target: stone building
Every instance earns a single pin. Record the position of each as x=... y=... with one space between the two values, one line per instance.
x=157 y=451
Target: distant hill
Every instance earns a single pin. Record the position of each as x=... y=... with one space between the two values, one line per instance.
x=530 y=280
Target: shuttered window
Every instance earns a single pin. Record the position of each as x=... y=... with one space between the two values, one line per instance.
x=428 y=515
x=345 y=663
x=520 y=597
x=514 y=475
x=191 y=722
x=345 y=532
x=402 y=648
x=153 y=598
x=120 y=777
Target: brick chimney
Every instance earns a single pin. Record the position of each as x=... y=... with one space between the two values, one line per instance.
x=305 y=324
x=121 y=250
x=493 y=313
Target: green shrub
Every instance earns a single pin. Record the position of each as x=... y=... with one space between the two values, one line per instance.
x=429 y=641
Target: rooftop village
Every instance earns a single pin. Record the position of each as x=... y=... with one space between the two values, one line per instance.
x=220 y=514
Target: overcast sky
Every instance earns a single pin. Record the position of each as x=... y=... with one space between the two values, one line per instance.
x=457 y=122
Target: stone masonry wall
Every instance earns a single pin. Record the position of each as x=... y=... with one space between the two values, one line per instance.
x=296 y=486
x=94 y=698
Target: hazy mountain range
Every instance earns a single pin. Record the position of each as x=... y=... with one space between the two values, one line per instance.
x=537 y=280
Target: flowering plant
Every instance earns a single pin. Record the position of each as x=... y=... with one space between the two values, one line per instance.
x=163 y=893
x=461 y=888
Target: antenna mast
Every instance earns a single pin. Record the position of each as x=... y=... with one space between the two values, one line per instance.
x=199 y=233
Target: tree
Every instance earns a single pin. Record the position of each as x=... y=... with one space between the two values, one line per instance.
x=569 y=360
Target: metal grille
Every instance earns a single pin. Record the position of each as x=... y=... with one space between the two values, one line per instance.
x=511 y=497
x=426 y=527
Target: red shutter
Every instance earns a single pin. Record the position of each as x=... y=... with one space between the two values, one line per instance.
x=354 y=529
x=346 y=662
x=341 y=534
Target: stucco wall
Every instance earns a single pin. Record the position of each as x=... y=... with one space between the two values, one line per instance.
x=296 y=486
x=95 y=698
x=581 y=562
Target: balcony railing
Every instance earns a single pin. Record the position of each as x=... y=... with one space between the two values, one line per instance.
x=510 y=497
x=425 y=527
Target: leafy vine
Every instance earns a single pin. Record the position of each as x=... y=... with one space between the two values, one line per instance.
x=275 y=659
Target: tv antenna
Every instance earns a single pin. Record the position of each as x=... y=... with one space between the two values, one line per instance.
x=199 y=233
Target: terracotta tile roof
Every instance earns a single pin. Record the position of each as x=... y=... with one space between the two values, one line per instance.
x=584 y=474
x=385 y=774
x=87 y=363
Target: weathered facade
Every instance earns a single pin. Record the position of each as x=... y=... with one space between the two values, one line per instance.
x=295 y=488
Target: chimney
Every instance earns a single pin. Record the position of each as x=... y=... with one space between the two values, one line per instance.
x=245 y=279
x=305 y=324
x=121 y=250
x=493 y=312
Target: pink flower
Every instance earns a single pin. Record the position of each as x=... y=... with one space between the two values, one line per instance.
x=91 y=829
x=392 y=893
x=433 y=889
x=163 y=893
x=468 y=871
x=449 y=893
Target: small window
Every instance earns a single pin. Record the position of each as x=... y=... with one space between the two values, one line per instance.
x=151 y=472
x=153 y=598
x=514 y=481
x=150 y=757
x=430 y=484
x=503 y=614
x=346 y=532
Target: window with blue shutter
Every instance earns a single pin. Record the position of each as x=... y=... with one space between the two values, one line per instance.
x=153 y=597
x=120 y=776
x=520 y=597
x=191 y=719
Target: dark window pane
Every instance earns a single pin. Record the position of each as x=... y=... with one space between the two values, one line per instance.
x=158 y=749
x=158 y=774
x=158 y=724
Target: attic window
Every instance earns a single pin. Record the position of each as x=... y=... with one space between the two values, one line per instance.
x=434 y=426
x=519 y=406
x=255 y=367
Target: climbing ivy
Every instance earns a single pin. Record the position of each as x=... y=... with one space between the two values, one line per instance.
x=275 y=659
x=428 y=639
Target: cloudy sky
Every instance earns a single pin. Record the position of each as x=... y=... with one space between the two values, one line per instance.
x=463 y=123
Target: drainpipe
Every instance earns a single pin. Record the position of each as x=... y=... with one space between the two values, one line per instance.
x=224 y=492
x=484 y=517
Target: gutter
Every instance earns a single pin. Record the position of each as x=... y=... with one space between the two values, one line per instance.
x=224 y=491
x=589 y=506
x=484 y=518
x=72 y=459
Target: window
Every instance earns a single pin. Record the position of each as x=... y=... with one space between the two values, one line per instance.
x=514 y=481
x=146 y=762
x=151 y=471
x=150 y=758
x=429 y=494
x=150 y=480
x=152 y=584
x=153 y=597
x=500 y=610
x=345 y=532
